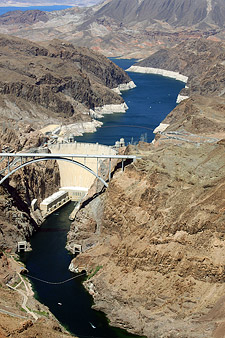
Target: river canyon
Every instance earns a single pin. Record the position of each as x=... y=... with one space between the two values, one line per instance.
x=155 y=238
x=71 y=295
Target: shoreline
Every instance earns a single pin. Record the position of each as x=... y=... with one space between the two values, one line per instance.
x=158 y=71
x=99 y=112
x=80 y=128
x=124 y=86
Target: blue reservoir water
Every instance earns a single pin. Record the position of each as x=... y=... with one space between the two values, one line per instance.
x=149 y=103
x=41 y=8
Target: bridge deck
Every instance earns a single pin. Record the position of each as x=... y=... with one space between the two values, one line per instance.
x=48 y=155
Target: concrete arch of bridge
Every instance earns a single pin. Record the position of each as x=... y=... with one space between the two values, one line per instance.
x=53 y=158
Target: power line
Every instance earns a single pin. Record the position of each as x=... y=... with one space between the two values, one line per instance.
x=56 y=283
x=127 y=125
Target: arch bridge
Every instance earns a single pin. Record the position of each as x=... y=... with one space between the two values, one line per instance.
x=16 y=161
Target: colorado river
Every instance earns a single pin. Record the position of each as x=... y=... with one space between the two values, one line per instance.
x=148 y=104
x=69 y=302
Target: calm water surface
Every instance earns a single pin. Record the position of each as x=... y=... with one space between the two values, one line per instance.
x=49 y=260
x=149 y=103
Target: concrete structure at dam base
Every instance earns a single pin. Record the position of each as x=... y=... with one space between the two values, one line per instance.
x=54 y=202
x=60 y=198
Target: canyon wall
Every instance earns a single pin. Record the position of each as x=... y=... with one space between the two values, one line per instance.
x=158 y=235
x=155 y=237
x=34 y=181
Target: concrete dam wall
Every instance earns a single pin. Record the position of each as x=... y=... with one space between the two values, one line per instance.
x=73 y=175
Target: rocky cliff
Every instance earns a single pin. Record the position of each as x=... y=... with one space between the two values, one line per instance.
x=157 y=236
x=36 y=181
x=54 y=82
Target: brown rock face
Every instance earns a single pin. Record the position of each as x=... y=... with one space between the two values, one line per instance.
x=55 y=81
x=188 y=119
x=158 y=234
x=35 y=181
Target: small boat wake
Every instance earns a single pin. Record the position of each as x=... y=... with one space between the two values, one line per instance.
x=92 y=325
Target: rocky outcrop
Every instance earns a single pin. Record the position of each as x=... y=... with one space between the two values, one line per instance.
x=16 y=223
x=187 y=117
x=54 y=82
x=35 y=181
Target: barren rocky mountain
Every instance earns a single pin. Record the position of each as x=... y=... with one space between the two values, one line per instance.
x=130 y=28
x=55 y=81
x=176 y=13
x=19 y=17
